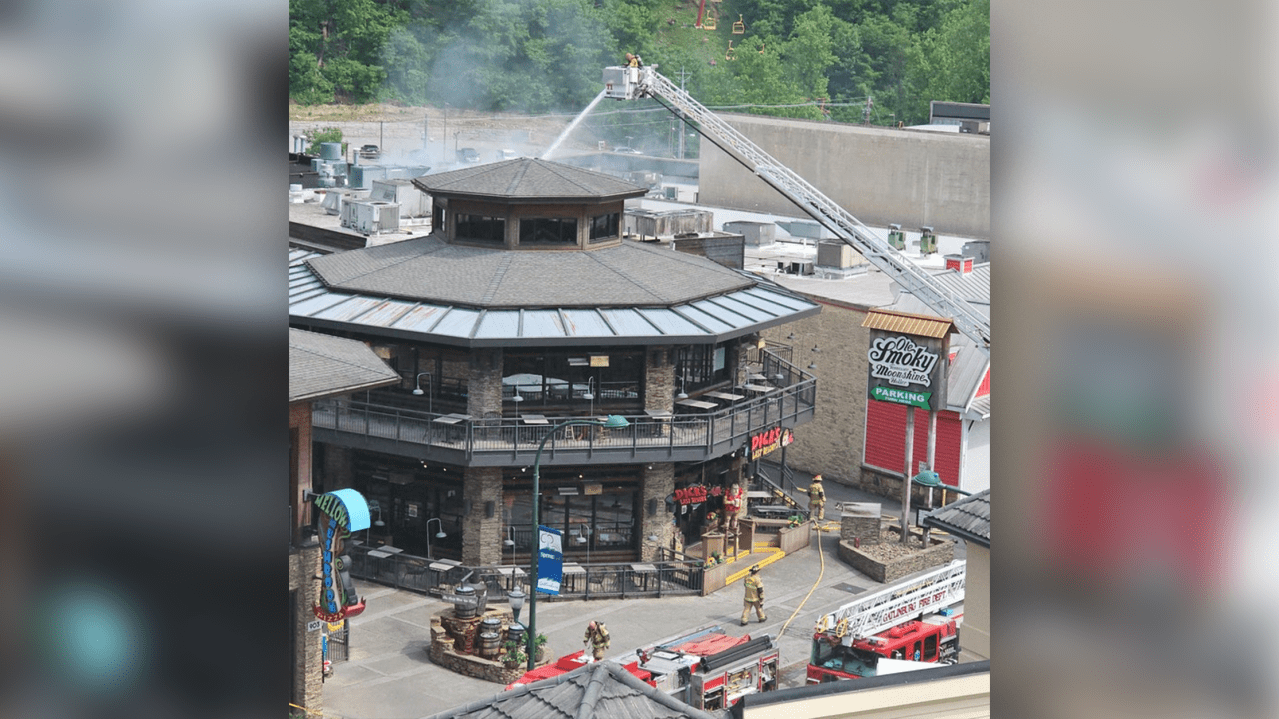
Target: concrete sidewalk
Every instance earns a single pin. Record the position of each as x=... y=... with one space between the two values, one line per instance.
x=390 y=677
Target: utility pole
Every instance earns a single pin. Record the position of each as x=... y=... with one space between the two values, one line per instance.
x=906 y=475
x=680 y=122
x=866 y=110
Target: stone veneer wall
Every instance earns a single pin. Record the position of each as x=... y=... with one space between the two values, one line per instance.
x=656 y=484
x=659 y=379
x=482 y=536
x=484 y=386
x=864 y=527
x=308 y=669
x=831 y=444
x=743 y=348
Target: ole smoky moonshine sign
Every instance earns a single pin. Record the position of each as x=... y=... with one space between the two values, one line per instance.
x=907 y=368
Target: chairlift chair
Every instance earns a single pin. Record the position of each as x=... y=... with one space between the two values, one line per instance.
x=708 y=23
x=730 y=55
x=739 y=27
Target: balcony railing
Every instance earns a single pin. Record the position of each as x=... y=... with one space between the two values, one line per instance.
x=669 y=576
x=512 y=440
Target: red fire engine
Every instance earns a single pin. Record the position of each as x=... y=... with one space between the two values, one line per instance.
x=706 y=668
x=874 y=634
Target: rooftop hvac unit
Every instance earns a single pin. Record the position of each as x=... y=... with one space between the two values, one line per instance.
x=363 y=175
x=346 y=213
x=834 y=254
x=371 y=217
x=332 y=203
x=412 y=201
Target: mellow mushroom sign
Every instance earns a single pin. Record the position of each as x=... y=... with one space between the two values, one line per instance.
x=907 y=358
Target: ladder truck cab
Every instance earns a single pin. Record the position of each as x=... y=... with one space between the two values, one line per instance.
x=709 y=669
x=910 y=625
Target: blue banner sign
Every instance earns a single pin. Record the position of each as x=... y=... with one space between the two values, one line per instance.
x=550 y=560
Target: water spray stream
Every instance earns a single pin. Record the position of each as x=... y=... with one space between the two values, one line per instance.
x=572 y=126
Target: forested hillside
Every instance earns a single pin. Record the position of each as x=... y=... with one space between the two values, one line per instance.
x=798 y=58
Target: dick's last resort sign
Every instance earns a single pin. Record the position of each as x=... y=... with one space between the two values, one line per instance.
x=907 y=368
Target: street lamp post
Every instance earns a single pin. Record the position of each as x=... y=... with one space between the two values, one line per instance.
x=613 y=422
x=430 y=395
x=590 y=394
x=439 y=535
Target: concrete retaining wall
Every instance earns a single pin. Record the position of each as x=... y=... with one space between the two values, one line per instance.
x=881 y=175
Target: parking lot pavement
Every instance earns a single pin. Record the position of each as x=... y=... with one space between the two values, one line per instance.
x=390 y=677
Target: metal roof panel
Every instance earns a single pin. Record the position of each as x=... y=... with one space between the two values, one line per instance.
x=499 y=323
x=542 y=323
x=586 y=323
x=309 y=307
x=739 y=305
x=711 y=322
x=459 y=322
x=420 y=319
x=630 y=322
x=348 y=310
x=387 y=314
x=670 y=323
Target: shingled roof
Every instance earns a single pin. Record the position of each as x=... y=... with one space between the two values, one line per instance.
x=631 y=274
x=603 y=690
x=529 y=180
x=320 y=366
x=969 y=518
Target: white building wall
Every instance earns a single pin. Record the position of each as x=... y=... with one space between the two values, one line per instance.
x=975 y=475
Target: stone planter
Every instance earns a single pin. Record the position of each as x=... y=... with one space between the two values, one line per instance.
x=937 y=553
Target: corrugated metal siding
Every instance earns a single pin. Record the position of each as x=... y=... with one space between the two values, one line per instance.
x=886 y=439
x=906 y=323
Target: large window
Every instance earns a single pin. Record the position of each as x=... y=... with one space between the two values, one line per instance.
x=572 y=380
x=405 y=496
x=548 y=231
x=698 y=366
x=604 y=522
x=605 y=227
x=478 y=228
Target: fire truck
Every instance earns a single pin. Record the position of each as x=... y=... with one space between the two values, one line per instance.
x=706 y=668
x=910 y=625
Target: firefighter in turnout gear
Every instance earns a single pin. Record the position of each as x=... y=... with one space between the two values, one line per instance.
x=597 y=638
x=817 y=499
x=754 y=596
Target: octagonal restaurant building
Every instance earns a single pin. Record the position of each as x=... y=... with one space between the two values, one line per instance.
x=523 y=309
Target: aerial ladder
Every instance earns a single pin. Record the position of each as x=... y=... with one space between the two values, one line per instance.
x=630 y=83
x=885 y=609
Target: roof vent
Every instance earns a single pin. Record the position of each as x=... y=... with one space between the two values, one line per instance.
x=964 y=265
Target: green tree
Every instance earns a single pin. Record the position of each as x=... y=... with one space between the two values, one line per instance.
x=809 y=53
x=958 y=54
x=339 y=43
x=316 y=137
